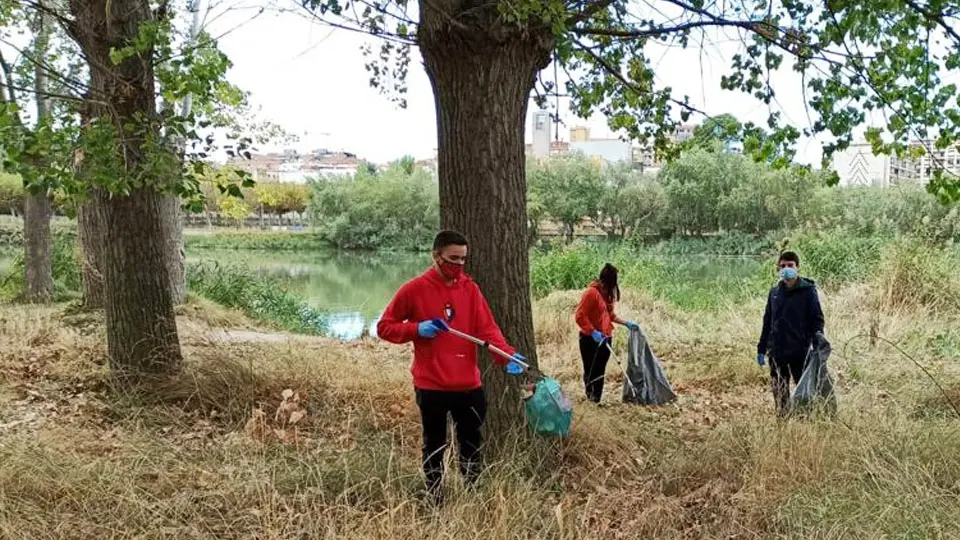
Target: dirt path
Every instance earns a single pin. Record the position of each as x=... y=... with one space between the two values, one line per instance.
x=250 y=336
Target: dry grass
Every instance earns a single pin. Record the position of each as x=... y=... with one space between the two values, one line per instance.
x=210 y=457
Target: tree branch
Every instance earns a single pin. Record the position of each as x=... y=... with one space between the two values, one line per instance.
x=51 y=95
x=8 y=78
x=51 y=71
x=613 y=71
x=395 y=38
x=661 y=30
x=592 y=9
x=66 y=22
x=937 y=17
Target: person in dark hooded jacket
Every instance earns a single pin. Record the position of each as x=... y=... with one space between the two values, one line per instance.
x=791 y=320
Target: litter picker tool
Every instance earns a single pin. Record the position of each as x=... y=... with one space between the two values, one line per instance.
x=548 y=410
x=622 y=369
x=486 y=345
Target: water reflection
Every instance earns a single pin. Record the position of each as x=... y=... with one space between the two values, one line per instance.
x=352 y=326
x=351 y=289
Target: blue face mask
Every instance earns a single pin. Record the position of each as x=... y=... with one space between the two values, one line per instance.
x=788 y=273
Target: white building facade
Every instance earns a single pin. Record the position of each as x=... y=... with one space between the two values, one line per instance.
x=857 y=167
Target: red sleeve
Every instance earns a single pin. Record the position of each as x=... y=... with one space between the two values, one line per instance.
x=485 y=327
x=588 y=304
x=395 y=325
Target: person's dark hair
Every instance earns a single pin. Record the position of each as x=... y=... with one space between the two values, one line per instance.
x=608 y=279
x=448 y=238
x=789 y=256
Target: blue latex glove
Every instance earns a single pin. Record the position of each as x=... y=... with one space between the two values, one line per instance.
x=513 y=368
x=631 y=325
x=430 y=329
x=760 y=359
x=598 y=336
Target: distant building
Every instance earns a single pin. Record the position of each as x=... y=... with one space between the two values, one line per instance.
x=542 y=133
x=857 y=166
x=579 y=134
x=557 y=148
x=644 y=158
x=922 y=169
x=606 y=150
x=609 y=150
x=683 y=132
x=292 y=167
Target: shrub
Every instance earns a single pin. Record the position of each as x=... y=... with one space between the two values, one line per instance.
x=391 y=210
x=12 y=194
x=688 y=282
x=235 y=286
x=835 y=257
x=913 y=273
x=248 y=240
x=67 y=273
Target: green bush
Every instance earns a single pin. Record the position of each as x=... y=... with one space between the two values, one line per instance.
x=690 y=282
x=235 y=286
x=732 y=244
x=835 y=257
x=396 y=209
x=67 y=272
x=266 y=241
x=914 y=273
x=12 y=194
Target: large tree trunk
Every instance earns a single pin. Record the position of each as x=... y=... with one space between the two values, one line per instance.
x=37 y=249
x=482 y=77
x=141 y=327
x=142 y=335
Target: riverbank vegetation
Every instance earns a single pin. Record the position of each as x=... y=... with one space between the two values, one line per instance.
x=264 y=431
x=261 y=437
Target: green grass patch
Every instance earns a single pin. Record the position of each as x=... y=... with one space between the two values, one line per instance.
x=691 y=282
x=263 y=241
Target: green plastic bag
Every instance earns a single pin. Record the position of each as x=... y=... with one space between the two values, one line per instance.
x=549 y=412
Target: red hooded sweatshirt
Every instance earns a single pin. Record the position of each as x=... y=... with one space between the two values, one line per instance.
x=446 y=362
x=594 y=312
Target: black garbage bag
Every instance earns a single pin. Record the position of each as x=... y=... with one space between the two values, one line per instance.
x=815 y=389
x=645 y=382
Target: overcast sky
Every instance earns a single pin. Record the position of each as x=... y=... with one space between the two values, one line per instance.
x=311 y=79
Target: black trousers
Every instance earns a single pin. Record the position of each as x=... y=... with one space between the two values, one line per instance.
x=781 y=371
x=468 y=410
x=594 y=357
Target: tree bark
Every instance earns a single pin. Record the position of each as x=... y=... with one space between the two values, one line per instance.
x=172 y=217
x=142 y=338
x=38 y=208
x=91 y=237
x=482 y=74
x=37 y=249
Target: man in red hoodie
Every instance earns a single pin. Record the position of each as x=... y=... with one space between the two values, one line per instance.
x=446 y=375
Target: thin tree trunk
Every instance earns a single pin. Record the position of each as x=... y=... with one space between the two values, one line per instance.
x=90 y=235
x=172 y=216
x=38 y=249
x=38 y=208
x=142 y=338
x=172 y=212
x=481 y=88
